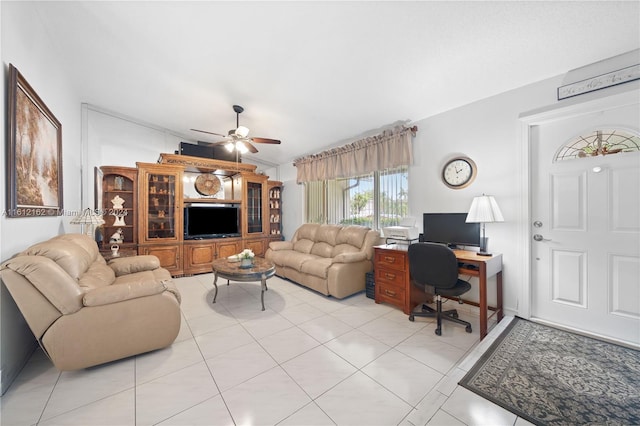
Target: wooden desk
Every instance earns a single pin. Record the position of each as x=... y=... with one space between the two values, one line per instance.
x=393 y=283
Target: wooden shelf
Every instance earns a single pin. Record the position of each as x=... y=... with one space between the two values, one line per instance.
x=211 y=201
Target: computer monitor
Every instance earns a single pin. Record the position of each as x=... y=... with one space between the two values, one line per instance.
x=450 y=229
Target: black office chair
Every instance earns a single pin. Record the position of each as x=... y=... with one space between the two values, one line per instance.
x=435 y=265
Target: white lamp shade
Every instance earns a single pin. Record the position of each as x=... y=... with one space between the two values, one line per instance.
x=242 y=148
x=242 y=131
x=484 y=209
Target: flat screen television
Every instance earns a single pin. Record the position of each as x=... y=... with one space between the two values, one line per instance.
x=211 y=221
x=450 y=229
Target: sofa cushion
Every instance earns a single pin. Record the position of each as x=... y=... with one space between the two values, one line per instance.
x=295 y=260
x=343 y=248
x=118 y=293
x=69 y=256
x=133 y=264
x=353 y=235
x=306 y=232
x=303 y=246
x=317 y=267
x=85 y=241
x=327 y=234
x=50 y=279
x=98 y=275
x=322 y=249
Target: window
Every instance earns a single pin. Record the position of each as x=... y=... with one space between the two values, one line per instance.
x=599 y=142
x=374 y=200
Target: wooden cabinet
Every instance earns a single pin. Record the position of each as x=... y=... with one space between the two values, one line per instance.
x=154 y=206
x=227 y=248
x=392 y=280
x=275 y=207
x=117 y=202
x=198 y=255
x=256 y=246
x=254 y=206
x=160 y=189
x=168 y=254
x=160 y=214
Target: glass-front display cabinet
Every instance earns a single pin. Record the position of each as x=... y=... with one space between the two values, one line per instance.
x=160 y=192
x=255 y=205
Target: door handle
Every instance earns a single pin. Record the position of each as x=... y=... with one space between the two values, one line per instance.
x=538 y=237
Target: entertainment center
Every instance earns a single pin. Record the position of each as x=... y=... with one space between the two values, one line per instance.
x=188 y=210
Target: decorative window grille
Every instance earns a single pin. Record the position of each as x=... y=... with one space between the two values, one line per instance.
x=599 y=142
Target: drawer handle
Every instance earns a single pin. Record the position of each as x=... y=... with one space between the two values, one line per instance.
x=389 y=259
x=389 y=276
x=390 y=293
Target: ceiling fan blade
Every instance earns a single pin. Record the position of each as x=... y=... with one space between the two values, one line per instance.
x=265 y=140
x=250 y=147
x=210 y=133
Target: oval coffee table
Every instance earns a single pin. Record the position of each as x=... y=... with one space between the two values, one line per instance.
x=261 y=270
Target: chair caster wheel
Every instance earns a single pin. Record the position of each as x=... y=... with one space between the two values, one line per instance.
x=438 y=332
x=468 y=329
x=411 y=318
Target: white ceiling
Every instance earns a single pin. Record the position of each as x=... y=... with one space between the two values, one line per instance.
x=315 y=74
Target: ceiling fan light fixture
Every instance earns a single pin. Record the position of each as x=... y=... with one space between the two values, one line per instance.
x=229 y=146
x=242 y=148
x=242 y=131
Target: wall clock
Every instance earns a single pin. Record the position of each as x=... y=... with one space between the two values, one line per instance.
x=459 y=172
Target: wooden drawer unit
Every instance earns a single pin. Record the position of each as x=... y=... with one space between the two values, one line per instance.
x=393 y=284
x=389 y=293
x=391 y=259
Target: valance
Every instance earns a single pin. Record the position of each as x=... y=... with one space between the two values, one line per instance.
x=391 y=148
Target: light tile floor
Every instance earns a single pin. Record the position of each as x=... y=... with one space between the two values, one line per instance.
x=306 y=360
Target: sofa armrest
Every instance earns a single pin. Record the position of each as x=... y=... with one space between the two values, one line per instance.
x=350 y=257
x=133 y=264
x=281 y=245
x=120 y=292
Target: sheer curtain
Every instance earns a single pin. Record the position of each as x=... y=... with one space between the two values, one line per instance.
x=392 y=148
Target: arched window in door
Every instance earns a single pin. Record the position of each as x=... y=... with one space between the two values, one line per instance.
x=599 y=142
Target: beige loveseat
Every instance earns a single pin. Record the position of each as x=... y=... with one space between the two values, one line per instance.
x=84 y=312
x=330 y=259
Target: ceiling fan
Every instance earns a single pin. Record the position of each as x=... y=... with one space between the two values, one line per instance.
x=237 y=138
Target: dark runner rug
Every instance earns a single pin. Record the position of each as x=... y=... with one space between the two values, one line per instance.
x=553 y=377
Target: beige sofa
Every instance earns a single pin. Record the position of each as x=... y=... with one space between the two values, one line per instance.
x=85 y=312
x=330 y=259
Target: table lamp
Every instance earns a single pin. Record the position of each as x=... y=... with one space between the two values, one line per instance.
x=483 y=210
x=89 y=218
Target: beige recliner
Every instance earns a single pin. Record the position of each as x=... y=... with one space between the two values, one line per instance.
x=85 y=312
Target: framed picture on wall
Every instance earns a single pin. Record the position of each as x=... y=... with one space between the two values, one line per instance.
x=34 y=155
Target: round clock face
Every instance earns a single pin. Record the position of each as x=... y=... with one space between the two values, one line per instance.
x=459 y=172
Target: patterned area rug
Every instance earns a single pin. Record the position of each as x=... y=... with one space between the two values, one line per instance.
x=553 y=377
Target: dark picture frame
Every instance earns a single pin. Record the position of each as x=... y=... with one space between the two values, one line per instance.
x=34 y=153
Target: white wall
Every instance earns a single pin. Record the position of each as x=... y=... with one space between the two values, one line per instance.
x=486 y=131
x=30 y=50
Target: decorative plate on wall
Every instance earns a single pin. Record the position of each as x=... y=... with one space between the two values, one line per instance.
x=208 y=184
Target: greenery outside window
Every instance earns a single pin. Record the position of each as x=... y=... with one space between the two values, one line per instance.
x=375 y=200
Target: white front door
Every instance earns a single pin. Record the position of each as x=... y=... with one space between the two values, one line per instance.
x=585 y=250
